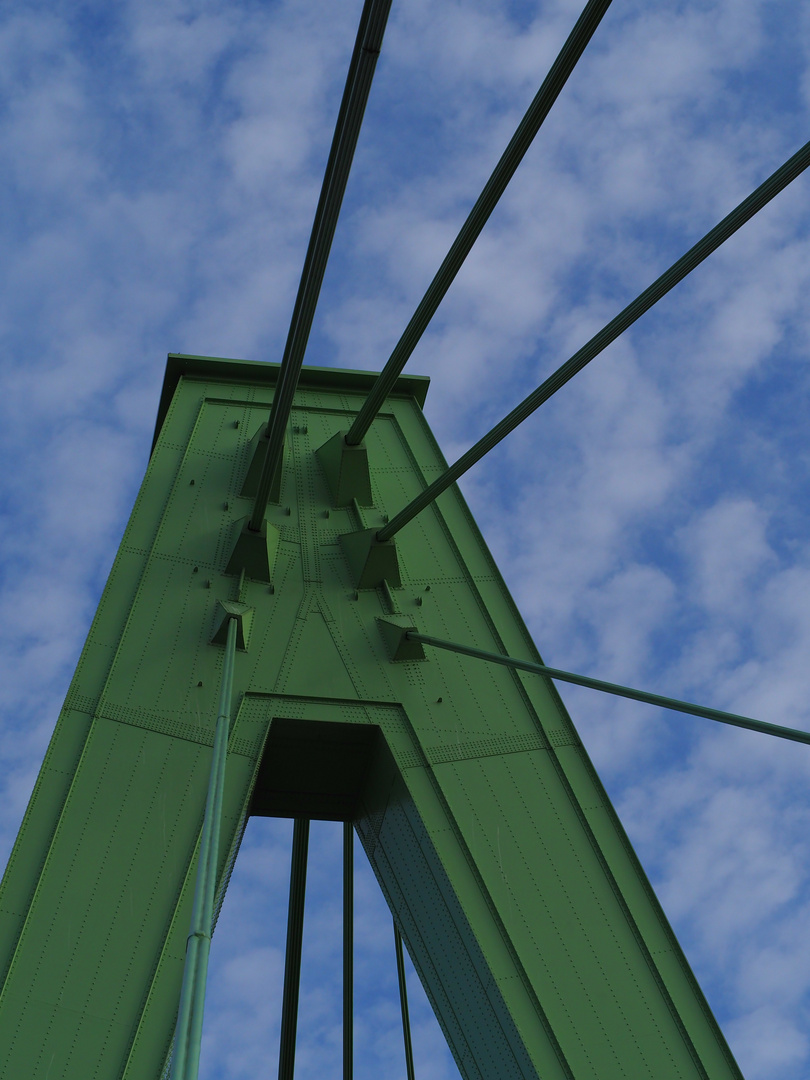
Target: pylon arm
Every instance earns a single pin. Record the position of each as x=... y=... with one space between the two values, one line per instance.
x=794 y=734
x=188 y=1034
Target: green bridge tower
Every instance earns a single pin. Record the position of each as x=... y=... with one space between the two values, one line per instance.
x=532 y=926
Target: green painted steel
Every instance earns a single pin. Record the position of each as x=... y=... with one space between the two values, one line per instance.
x=528 y=918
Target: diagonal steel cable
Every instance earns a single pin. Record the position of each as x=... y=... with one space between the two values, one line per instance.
x=348 y=950
x=344 y=142
x=651 y=295
x=479 y=215
x=403 y=1005
x=292 y=959
x=722 y=717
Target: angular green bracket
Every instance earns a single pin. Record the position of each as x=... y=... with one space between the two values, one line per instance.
x=346 y=470
x=396 y=631
x=230 y=611
x=258 y=453
x=254 y=552
x=370 y=561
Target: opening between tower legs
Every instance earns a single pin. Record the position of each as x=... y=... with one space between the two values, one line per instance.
x=318 y=769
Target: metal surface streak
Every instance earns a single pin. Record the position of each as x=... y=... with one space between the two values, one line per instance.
x=292 y=963
x=348 y=950
x=479 y=215
x=186 y=1062
x=608 y=334
x=403 y=1004
x=344 y=142
x=793 y=734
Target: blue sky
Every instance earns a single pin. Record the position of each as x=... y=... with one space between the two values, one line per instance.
x=160 y=168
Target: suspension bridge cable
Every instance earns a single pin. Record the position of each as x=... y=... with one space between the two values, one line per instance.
x=347 y=130
x=292 y=961
x=403 y=1004
x=479 y=215
x=348 y=950
x=651 y=295
x=793 y=734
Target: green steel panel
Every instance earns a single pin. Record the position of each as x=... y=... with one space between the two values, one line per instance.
x=534 y=930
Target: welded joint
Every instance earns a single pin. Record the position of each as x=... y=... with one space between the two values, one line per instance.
x=201 y=934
